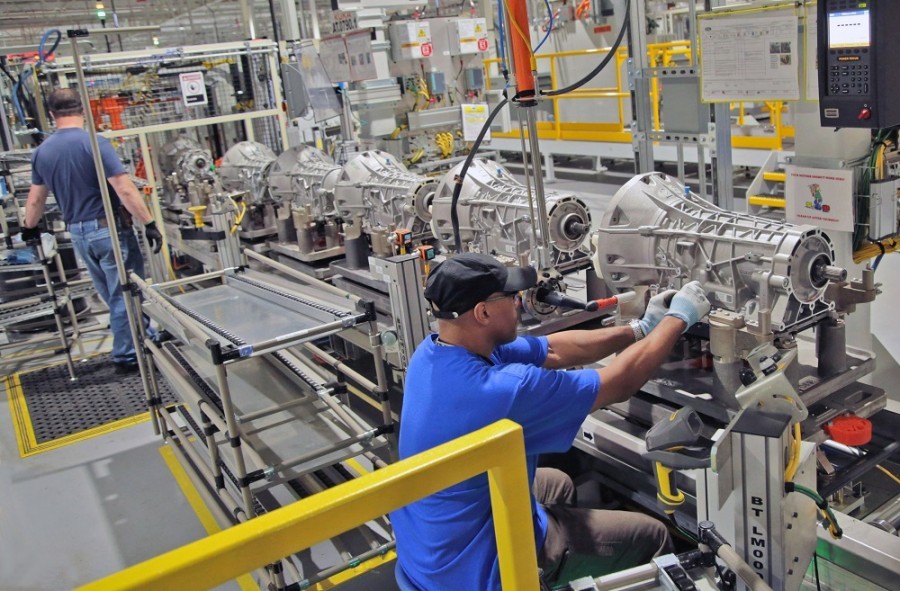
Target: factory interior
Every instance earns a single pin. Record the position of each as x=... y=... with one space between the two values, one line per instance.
x=310 y=167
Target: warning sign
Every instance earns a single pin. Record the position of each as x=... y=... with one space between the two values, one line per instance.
x=482 y=44
x=421 y=32
x=193 y=89
x=426 y=49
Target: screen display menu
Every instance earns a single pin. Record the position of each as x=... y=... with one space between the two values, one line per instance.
x=848 y=29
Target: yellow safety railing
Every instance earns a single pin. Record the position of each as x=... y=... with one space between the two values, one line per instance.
x=498 y=449
x=668 y=54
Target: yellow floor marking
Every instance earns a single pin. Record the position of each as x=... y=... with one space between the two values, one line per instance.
x=25 y=436
x=369 y=400
x=211 y=526
x=356 y=466
x=206 y=518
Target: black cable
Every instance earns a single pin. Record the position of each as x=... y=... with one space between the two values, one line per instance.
x=606 y=60
x=457 y=190
x=816 y=568
x=12 y=78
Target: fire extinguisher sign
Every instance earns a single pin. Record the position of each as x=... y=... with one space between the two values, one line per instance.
x=193 y=89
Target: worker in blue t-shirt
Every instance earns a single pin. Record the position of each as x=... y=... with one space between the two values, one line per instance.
x=64 y=164
x=476 y=371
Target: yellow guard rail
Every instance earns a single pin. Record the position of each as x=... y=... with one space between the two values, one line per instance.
x=668 y=54
x=498 y=449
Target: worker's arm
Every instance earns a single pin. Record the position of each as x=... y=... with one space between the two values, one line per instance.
x=579 y=347
x=571 y=348
x=34 y=206
x=131 y=198
x=635 y=365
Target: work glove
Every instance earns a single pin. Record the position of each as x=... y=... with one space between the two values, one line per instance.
x=154 y=238
x=29 y=234
x=689 y=304
x=656 y=310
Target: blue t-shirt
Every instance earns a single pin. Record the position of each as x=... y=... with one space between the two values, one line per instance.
x=64 y=162
x=446 y=541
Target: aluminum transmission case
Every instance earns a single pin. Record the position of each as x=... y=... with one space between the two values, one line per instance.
x=495 y=217
x=378 y=188
x=245 y=167
x=656 y=232
x=187 y=160
x=304 y=176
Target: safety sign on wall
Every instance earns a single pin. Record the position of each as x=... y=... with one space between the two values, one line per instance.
x=819 y=197
x=193 y=89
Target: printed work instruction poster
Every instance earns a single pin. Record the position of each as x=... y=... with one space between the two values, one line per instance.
x=746 y=58
x=819 y=197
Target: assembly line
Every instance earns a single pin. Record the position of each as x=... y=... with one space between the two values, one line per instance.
x=353 y=253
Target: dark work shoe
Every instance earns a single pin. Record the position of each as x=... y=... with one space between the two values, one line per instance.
x=125 y=368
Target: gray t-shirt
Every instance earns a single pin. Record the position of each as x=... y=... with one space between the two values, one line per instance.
x=65 y=164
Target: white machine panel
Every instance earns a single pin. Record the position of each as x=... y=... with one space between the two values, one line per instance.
x=411 y=40
x=468 y=36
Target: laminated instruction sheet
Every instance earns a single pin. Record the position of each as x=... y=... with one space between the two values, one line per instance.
x=749 y=58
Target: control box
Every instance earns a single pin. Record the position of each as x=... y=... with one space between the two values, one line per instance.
x=410 y=40
x=468 y=36
x=858 y=80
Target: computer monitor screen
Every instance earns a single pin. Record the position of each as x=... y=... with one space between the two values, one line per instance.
x=848 y=29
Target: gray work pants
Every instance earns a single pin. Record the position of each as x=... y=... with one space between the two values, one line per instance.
x=604 y=541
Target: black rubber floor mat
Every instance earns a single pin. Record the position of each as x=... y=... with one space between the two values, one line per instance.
x=59 y=407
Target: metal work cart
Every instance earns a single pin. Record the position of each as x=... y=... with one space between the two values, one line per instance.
x=259 y=416
x=50 y=297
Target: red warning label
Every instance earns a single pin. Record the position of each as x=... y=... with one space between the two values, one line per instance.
x=427 y=49
x=482 y=44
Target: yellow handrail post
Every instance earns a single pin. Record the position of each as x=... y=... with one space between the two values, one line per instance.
x=498 y=449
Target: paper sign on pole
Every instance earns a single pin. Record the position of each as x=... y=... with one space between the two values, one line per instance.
x=193 y=89
x=473 y=118
x=819 y=197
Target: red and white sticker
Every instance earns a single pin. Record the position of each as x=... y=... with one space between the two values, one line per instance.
x=427 y=49
x=482 y=44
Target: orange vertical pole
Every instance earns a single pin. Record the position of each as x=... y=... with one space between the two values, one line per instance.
x=517 y=14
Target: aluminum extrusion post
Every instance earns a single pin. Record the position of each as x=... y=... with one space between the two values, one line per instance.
x=249 y=25
x=381 y=379
x=640 y=88
x=132 y=307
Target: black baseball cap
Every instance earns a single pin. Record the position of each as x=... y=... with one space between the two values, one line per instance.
x=456 y=285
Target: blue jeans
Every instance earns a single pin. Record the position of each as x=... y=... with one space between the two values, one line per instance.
x=93 y=244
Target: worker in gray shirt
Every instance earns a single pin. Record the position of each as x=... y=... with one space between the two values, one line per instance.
x=64 y=164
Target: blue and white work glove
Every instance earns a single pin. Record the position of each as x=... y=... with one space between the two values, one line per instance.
x=656 y=311
x=689 y=304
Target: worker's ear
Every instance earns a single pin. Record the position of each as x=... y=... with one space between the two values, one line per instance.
x=480 y=313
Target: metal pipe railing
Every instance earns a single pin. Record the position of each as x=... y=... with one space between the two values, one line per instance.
x=498 y=449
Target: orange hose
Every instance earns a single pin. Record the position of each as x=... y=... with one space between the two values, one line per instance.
x=517 y=11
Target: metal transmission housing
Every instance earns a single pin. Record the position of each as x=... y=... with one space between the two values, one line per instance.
x=245 y=167
x=187 y=160
x=378 y=188
x=187 y=173
x=304 y=176
x=657 y=233
x=495 y=217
